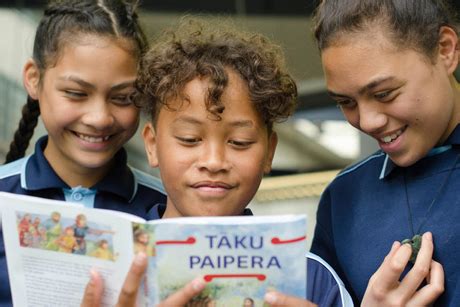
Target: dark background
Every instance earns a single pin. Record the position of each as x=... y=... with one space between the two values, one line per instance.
x=250 y=7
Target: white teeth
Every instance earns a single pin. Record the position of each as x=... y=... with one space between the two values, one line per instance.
x=93 y=139
x=386 y=139
x=391 y=138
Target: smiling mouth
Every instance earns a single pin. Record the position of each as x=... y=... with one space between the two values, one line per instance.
x=390 y=138
x=212 y=185
x=92 y=139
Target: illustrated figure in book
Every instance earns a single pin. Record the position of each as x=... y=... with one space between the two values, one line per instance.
x=53 y=230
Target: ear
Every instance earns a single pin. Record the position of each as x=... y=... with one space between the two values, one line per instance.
x=448 y=48
x=272 y=142
x=31 y=78
x=150 y=144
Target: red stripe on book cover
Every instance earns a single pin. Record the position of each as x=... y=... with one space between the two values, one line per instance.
x=277 y=240
x=210 y=277
x=190 y=240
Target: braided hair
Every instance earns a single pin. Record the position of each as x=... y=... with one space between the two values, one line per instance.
x=115 y=18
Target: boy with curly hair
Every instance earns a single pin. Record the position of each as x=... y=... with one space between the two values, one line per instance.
x=212 y=95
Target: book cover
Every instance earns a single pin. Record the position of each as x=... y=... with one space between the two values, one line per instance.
x=239 y=257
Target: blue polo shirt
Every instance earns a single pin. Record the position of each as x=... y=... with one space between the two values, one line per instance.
x=123 y=189
x=365 y=209
x=324 y=286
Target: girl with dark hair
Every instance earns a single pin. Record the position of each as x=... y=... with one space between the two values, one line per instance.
x=80 y=80
x=390 y=64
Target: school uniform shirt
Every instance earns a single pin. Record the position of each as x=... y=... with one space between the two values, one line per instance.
x=366 y=208
x=324 y=286
x=123 y=189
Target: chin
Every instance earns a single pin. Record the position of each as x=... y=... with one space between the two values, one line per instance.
x=404 y=161
x=211 y=212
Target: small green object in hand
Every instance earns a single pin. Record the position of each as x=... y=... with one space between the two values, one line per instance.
x=415 y=243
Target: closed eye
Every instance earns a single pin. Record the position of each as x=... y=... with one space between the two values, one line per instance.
x=241 y=144
x=188 y=141
x=346 y=103
x=385 y=96
x=121 y=100
x=74 y=94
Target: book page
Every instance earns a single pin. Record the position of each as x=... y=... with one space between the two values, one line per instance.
x=239 y=257
x=51 y=246
x=144 y=241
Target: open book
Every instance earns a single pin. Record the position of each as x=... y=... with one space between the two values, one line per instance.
x=52 y=245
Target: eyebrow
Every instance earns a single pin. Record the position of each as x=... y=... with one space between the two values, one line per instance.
x=194 y=121
x=187 y=119
x=86 y=84
x=122 y=85
x=371 y=85
x=242 y=124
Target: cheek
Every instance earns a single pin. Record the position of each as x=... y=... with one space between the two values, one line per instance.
x=250 y=167
x=128 y=118
x=352 y=116
x=58 y=117
x=175 y=160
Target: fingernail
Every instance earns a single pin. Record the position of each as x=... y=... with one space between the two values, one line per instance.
x=140 y=258
x=428 y=235
x=93 y=275
x=198 y=284
x=395 y=243
x=270 y=298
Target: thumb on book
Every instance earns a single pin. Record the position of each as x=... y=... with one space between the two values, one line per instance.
x=93 y=291
x=187 y=293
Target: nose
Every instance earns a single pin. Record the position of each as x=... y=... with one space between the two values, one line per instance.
x=371 y=117
x=99 y=115
x=213 y=158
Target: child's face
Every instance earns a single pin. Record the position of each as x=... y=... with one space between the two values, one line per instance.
x=248 y=303
x=209 y=167
x=55 y=217
x=143 y=238
x=84 y=105
x=81 y=221
x=396 y=96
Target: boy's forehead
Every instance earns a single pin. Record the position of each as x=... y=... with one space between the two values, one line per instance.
x=191 y=105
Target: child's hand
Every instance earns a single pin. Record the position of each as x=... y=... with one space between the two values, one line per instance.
x=93 y=291
x=274 y=298
x=184 y=295
x=385 y=289
x=128 y=295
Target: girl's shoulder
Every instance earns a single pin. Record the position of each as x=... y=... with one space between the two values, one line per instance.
x=147 y=180
x=13 y=168
x=372 y=161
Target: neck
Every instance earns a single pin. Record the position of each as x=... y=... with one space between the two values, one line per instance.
x=455 y=118
x=73 y=175
x=170 y=211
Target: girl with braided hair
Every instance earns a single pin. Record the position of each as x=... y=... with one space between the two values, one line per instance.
x=80 y=80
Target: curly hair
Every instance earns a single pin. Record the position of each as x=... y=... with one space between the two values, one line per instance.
x=201 y=49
